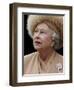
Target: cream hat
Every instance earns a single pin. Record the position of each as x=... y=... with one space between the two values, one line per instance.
x=34 y=20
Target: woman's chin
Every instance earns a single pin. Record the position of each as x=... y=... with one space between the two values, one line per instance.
x=37 y=48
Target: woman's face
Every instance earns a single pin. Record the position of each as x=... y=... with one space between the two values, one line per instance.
x=42 y=37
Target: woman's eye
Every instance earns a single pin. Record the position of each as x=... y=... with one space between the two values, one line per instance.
x=42 y=32
x=35 y=31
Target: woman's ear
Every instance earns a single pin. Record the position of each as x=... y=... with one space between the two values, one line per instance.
x=52 y=44
x=53 y=41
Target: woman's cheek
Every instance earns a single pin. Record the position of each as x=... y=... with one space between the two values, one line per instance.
x=45 y=38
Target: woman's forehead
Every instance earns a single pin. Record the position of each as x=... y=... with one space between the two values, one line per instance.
x=43 y=27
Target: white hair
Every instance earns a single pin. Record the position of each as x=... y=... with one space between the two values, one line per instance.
x=56 y=39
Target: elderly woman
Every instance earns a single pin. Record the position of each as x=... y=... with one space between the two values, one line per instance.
x=47 y=34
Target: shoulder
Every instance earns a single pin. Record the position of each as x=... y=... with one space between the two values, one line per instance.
x=59 y=57
x=28 y=57
x=59 y=62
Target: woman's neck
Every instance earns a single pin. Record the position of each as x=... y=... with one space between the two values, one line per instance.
x=45 y=53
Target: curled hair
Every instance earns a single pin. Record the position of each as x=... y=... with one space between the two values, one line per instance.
x=56 y=39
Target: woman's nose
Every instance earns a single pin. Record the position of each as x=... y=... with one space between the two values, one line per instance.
x=37 y=33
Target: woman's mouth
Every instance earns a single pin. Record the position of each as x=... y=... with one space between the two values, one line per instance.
x=37 y=42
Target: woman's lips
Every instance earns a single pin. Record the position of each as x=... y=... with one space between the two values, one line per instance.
x=37 y=42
